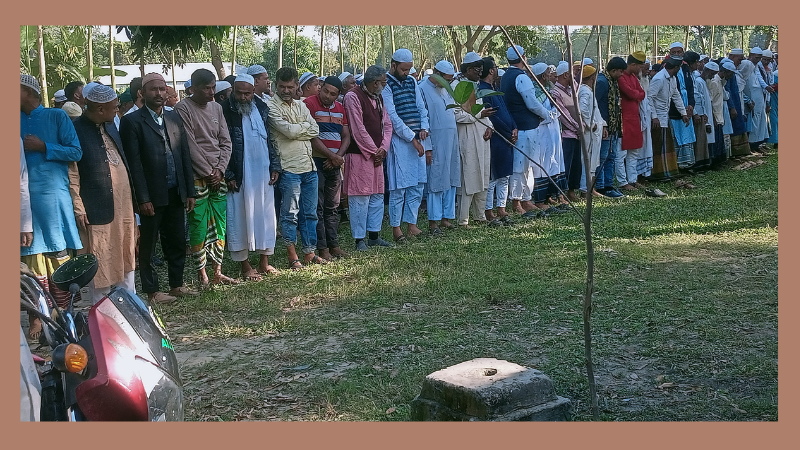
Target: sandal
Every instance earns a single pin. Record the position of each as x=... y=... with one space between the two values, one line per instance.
x=317 y=260
x=251 y=275
x=270 y=271
x=295 y=264
x=400 y=239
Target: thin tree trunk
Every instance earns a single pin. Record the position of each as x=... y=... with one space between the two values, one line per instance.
x=711 y=47
x=655 y=43
x=628 y=35
x=233 y=53
x=421 y=51
x=341 y=51
x=141 y=61
x=365 y=49
x=741 y=31
x=42 y=66
x=280 y=46
x=89 y=54
x=295 y=47
x=111 y=56
x=391 y=32
x=322 y=52
x=608 y=45
x=686 y=41
x=172 y=61
x=383 y=45
x=216 y=59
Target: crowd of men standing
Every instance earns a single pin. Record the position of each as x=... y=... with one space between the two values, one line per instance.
x=235 y=165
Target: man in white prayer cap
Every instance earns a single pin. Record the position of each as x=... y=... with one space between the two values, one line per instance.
x=262 y=87
x=102 y=197
x=251 y=173
x=570 y=144
x=309 y=85
x=441 y=157
x=348 y=82
x=756 y=93
x=222 y=90
x=59 y=98
x=474 y=146
x=405 y=162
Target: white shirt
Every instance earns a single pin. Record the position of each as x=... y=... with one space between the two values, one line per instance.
x=663 y=88
x=25 y=216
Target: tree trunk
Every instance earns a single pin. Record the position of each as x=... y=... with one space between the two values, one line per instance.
x=608 y=46
x=141 y=61
x=655 y=43
x=711 y=46
x=770 y=36
x=233 y=53
x=686 y=41
x=111 y=56
x=457 y=45
x=628 y=35
x=42 y=66
x=89 y=55
x=295 y=47
x=280 y=46
x=172 y=61
x=341 y=51
x=365 y=49
x=421 y=51
x=391 y=33
x=741 y=31
x=216 y=60
x=322 y=53
x=383 y=46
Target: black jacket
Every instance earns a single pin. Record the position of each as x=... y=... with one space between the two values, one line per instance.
x=95 y=173
x=143 y=142
x=235 y=167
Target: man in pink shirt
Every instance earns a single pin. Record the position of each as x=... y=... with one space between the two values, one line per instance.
x=371 y=132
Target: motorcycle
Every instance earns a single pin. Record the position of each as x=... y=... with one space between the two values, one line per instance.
x=114 y=363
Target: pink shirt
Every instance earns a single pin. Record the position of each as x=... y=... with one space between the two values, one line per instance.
x=361 y=177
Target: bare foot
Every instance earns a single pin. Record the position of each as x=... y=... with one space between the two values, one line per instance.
x=219 y=279
x=34 y=328
x=267 y=270
x=251 y=275
x=446 y=224
x=413 y=230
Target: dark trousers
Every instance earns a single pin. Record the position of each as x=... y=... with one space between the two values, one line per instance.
x=572 y=161
x=330 y=189
x=170 y=222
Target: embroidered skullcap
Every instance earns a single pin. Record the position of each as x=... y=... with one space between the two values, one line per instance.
x=305 y=77
x=256 y=69
x=639 y=56
x=737 y=51
x=767 y=54
x=711 y=65
x=471 y=57
x=101 y=94
x=221 y=86
x=402 y=55
x=675 y=45
x=60 y=96
x=153 y=76
x=512 y=55
x=539 y=68
x=30 y=81
x=501 y=72
x=563 y=67
x=446 y=67
x=88 y=88
x=239 y=69
x=756 y=50
x=727 y=65
x=343 y=76
x=72 y=109
x=428 y=71
x=412 y=71
x=616 y=63
x=333 y=81
x=125 y=97
x=588 y=71
x=552 y=67
x=247 y=78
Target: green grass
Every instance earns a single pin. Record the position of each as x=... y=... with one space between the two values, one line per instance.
x=686 y=293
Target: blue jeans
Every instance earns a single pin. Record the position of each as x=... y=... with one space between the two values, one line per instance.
x=608 y=156
x=299 y=208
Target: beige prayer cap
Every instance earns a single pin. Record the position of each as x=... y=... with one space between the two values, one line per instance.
x=72 y=109
x=152 y=77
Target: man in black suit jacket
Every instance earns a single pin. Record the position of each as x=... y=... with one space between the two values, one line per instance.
x=154 y=141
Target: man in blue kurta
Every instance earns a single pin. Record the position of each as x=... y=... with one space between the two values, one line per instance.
x=50 y=143
x=405 y=162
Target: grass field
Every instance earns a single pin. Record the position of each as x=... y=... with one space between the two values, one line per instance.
x=685 y=319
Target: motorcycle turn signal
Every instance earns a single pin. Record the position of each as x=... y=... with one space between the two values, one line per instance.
x=70 y=358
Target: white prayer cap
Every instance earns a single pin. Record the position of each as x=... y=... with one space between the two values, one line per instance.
x=711 y=65
x=647 y=61
x=512 y=55
x=587 y=61
x=767 y=54
x=402 y=55
x=756 y=50
x=221 y=86
x=343 y=76
x=428 y=71
x=101 y=94
x=256 y=69
x=245 y=78
x=305 y=77
x=412 y=71
x=737 y=51
x=87 y=90
x=539 y=68
x=446 y=67
x=702 y=57
x=60 y=96
x=724 y=60
x=501 y=72
x=239 y=69
x=675 y=45
x=471 y=57
x=31 y=82
x=563 y=67
x=360 y=77
x=727 y=65
x=72 y=109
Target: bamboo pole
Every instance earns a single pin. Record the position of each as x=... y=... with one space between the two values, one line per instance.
x=655 y=43
x=341 y=51
x=233 y=56
x=89 y=54
x=421 y=52
x=686 y=41
x=391 y=32
x=383 y=45
x=280 y=46
x=608 y=46
x=172 y=61
x=365 y=48
x=322 y=52
x=111 y=56
x=295 y=47
x=711 y=46
x=42 y=67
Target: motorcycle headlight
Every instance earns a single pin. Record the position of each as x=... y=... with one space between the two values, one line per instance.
x=164 y=394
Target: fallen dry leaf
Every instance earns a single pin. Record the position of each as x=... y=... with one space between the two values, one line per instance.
x=666 y=385
x=391 y=410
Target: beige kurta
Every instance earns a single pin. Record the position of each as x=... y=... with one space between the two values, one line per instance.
x=113 y=244
x=475 y=152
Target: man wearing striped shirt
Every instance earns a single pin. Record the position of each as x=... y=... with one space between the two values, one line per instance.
x=334 y=134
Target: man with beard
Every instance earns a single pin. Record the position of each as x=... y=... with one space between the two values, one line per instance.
x=562 y=94
x=348 y=82
x=251 y=173
x=405 y=163
x=662 y=94
x=155 y=146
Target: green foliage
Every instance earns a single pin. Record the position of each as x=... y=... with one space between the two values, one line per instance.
x=463 y=91
x=167 y=38
x=307 y=53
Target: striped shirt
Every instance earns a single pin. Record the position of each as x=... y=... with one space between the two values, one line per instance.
x=330 y=120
